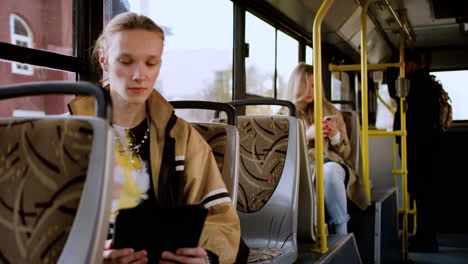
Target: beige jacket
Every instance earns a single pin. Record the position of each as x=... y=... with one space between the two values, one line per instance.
x=339 y=152
x=221 y=232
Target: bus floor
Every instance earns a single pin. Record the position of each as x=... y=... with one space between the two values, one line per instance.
x=453 y=249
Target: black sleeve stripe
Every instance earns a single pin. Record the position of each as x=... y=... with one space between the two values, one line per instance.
x=179 y=162
x=215 y=197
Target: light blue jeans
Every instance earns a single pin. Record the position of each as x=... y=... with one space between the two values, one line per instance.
x=335 y=192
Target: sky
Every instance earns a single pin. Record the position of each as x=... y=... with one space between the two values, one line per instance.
x=455 y=84
x=201 y=41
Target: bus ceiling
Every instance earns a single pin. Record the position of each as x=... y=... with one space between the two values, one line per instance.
x=438 y=25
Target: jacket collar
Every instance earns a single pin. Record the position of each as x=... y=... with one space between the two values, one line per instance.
x=159 y=109
x=82 y=105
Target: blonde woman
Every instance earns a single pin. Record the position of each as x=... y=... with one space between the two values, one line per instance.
x=160 y=158
x=336 y=148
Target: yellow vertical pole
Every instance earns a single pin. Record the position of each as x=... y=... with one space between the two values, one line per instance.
x=395 y=149
x=415 y=217
x=364 y=102
x=317 y=42
x=404 y=166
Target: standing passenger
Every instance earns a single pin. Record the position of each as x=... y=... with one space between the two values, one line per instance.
x=160 y=158
x=336 y=148
x=423 y=139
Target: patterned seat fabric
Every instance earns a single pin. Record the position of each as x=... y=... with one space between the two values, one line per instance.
x=263 y=146
x=216 y=138
x=43 y=165
x=261 y=254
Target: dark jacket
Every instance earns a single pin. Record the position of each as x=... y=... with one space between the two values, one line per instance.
x=421 y=107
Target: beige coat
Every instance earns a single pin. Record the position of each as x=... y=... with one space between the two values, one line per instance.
x=339 y=152
x=221 y=232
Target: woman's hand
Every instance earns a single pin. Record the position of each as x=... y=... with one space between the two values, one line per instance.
x=330 y=127
x=125 y=255
x=185 y=256
x=310 y=133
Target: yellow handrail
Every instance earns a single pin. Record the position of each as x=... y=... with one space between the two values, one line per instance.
x=318 y=128
x=404 y=166
x=365 y=132
x=414 y=212
x=364 y=107
x=403 y=26
x=401 y=172
x=395 y=146
x=384 y=133
x=357 y=67
x=383 y=102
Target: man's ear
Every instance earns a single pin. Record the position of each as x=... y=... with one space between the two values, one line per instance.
x=103 y=61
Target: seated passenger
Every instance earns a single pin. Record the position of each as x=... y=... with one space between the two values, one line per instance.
x=336 y=148
x=159 y=157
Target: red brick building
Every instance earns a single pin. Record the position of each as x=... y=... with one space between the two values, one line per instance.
x=44 y=25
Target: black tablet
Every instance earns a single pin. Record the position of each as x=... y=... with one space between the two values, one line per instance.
x=156 y=229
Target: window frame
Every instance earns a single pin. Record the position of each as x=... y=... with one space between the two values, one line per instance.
x=87 y=25
x=16 y=67
x=267 y=13
x=301 y=54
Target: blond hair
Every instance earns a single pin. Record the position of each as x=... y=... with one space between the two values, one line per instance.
x=119 y=23
x=122 y=22
x=297 y=79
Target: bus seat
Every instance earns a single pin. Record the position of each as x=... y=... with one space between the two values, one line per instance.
x=268 y=187
x=223 y=139
x=353 y=128
x=55 y=200
x=224 y=142
x=306 y=212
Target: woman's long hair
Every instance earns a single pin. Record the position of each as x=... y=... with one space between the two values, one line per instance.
x=299 y=80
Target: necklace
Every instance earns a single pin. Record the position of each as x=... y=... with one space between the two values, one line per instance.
x=132 y=146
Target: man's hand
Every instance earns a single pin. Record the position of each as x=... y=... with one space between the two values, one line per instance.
x=184 y=256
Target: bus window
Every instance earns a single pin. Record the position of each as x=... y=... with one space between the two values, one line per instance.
x=309 y=55
x=30 y=28
x=454 y=83
x=197 y=60
x=260 y=65
x=287 y=59
x=34 y=105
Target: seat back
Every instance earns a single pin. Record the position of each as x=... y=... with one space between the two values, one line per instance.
x=268 y=186
x=223 y=139
x=306 y=213
x=224 y=142
x=353 y=128
x=54 y=178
